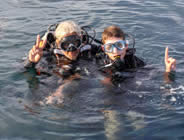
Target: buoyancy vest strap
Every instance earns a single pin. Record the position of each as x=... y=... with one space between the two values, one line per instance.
x=85 y=48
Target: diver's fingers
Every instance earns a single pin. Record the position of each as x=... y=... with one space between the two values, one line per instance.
x=173 y=64
x=169 y=60
x=41 y=45
x=166 y=54
x=32 y=52
x=37 y=56
x=31 y=55
x=169 y=64
x=34 y=48
x=37 y=51
x=37 y=41
x=173 y=61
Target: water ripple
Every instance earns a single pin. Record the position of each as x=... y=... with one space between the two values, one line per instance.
x=141 y=106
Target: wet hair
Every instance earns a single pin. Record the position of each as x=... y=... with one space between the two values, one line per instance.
x=67 y=27
x=112 y=31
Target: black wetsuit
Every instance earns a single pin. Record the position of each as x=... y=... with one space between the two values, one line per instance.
x=116 y=68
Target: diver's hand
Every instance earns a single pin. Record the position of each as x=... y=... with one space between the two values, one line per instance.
x=170 y=63
x=123 y=53
x=37 y=50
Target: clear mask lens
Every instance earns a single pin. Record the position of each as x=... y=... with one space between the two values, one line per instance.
x=114 y=47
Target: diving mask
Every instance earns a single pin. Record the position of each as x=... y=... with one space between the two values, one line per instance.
x=70 y=43
x=119 y=45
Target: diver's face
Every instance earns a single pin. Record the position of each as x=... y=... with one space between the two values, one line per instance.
x=116 y=52
x=70 y=46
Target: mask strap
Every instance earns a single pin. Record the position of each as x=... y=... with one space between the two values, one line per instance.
x=85 y=47
x=70 y=34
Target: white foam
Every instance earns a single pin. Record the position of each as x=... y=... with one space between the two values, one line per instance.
x=173 y=99
x=177 y=90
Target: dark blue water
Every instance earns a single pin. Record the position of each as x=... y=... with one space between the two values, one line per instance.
x=145 y=107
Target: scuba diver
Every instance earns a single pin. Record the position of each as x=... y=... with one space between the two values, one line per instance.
x=116 y=56
x=53 y=61
x=60 y=48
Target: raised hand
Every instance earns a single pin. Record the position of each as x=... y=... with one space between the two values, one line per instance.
x=37 y=50
x=170 y=63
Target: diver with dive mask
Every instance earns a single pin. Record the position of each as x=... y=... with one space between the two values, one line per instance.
x=117 y=53
x=70 y=42
x=62 y=45
x=121 y=44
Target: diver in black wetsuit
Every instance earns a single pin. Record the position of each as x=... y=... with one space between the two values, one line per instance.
x=116 y=56
x=59 y=50
x=55 y=58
